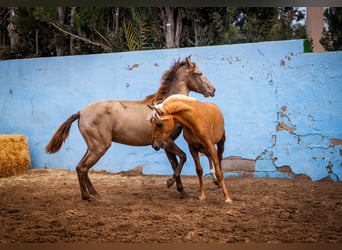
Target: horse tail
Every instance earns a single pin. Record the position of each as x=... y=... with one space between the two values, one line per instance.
x=220 y=146
x=61 y=134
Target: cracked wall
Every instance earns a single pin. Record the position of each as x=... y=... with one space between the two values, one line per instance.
x=282 y=107
x=306 y=130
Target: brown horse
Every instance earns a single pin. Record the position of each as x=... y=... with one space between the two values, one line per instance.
x=104 y=122
x=203 y=127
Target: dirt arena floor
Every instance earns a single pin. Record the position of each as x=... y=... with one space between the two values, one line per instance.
x=45 y=206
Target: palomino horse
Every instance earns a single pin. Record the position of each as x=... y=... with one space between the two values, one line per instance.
x=203 y=127
x=104 y=122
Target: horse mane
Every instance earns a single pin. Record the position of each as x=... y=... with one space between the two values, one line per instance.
x=179 y=97
x=166 y=81
x=176 y=97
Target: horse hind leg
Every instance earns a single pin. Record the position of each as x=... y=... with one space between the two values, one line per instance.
x=219 y=174
x=90 y=186
x=212 y=171
x=219 y=153
x=88 y=160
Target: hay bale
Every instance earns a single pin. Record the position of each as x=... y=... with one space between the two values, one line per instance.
x=14 y=155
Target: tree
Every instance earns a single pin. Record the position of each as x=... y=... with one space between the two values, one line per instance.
x=83 y=28
x=137 y=29
x=172 y=25
x=206 y=26
x=4 y=21
x=231 y=33
x=332 y=36
x=12 y=30
x=288 y=25
x=255 y=24
x=29 y=41
x=43 y=31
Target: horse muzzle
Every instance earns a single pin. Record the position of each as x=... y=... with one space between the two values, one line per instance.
x=212 y=92
x=158 y=145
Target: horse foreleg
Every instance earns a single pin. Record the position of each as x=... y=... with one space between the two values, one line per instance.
x=171 y=150
x=174 y=163
x=199 y=171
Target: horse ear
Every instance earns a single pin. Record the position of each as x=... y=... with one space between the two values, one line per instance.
x=159 y=112
x=166 y=117
x=188 y=61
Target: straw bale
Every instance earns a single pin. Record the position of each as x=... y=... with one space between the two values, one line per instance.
x=14 y=155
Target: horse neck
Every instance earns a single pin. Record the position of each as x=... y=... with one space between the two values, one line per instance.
x=174 y=87
x=177 y=86
x=179 y=112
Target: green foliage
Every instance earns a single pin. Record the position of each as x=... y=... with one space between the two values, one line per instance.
x=54 y=31
x=136 y=29
x=206 y=26
x=44 y=13
x=308 y=45
x=90 y=18
x=256 y=23
x=332 y=36
x=288 y=25
x=131 y=34
x=27 y=25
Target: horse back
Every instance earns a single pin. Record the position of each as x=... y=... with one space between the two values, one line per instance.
x=120 y=121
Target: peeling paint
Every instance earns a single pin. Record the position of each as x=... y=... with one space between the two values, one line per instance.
x=281 y=125
x=287 y=170
x=237 y=163
x=283 y=110
x=136 y=65
x=282 y=63
x=335 y=141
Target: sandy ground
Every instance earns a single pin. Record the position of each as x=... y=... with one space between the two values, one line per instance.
x=45 y=206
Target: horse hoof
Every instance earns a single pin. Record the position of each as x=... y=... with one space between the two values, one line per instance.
x=228 y=201
x=97 y=196
x=201 y=198
x=92 y=198
x=184 y=195
x=86 y=199
x=170 y=182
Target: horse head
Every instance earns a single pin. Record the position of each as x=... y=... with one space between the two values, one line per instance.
x=162 y=126
x=181 y=78
x=196 y=80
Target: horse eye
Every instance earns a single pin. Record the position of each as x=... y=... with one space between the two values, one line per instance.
x=159 y=125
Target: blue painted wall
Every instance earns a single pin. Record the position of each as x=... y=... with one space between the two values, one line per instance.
x=282 y=107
